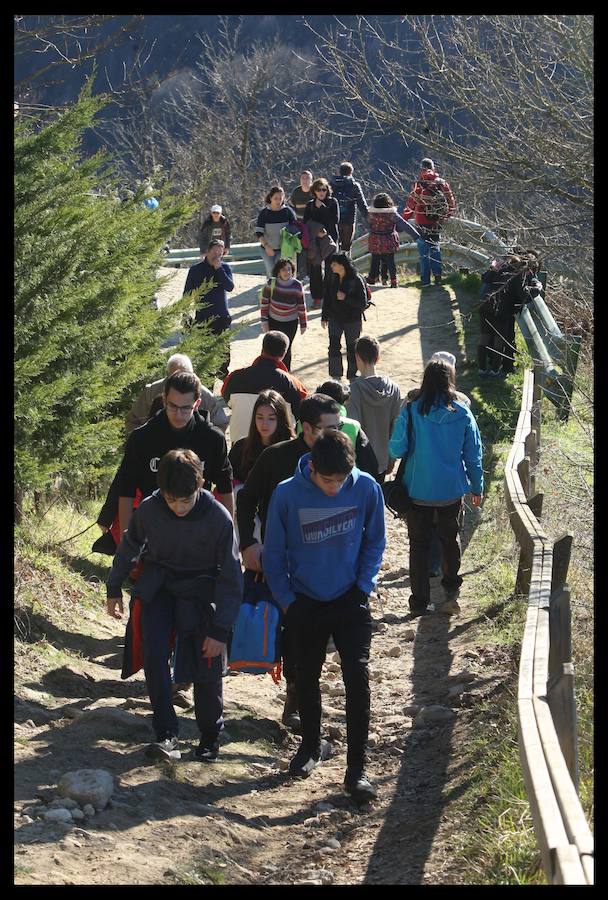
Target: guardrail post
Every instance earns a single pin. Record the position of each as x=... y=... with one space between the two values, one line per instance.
x=560 y=640
x=524 y=572
x=562 y=548
x=562 y=703
x=523 y=470
x=535 y=502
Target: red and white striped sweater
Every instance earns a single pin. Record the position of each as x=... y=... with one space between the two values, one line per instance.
x=286 y=302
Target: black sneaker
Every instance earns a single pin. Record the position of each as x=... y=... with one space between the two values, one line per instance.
x=168 y=748
x=207 y=752
x=358 y=786
x=304 y=761
x=437 y=279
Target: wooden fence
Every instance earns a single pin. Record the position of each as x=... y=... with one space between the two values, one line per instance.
x=546 y=702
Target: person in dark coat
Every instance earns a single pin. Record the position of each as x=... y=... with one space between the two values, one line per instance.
x=349 y=195
x=213 y=306
x=344 y=302
x=507 y=286
x=325 y=211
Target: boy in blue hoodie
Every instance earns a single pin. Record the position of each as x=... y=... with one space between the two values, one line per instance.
x=322 y=552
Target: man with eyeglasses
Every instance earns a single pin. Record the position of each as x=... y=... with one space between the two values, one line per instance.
x=178 y=426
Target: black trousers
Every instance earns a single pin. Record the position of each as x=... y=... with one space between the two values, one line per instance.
x=388 y=265
x=420 y=520
x=351 y=332
x=287 y=328
x=348 y=620
x=346 y=231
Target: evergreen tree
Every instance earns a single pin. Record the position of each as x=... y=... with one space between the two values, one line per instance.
x=87 y=335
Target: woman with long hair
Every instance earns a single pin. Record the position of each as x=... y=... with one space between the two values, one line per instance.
x=270 y=423
x=344 y=300
x=323 y=210
x=275 y=216
x=443 y=463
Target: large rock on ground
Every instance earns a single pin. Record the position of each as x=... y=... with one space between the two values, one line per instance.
x=93 y=786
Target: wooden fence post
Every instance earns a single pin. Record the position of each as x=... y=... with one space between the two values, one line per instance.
x=523 y=470
x=524 y=572
x=562 y=548
x=560 y=634
x=562 y=704
x=535 y=502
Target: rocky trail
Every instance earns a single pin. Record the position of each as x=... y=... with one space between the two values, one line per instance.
x=242 y=820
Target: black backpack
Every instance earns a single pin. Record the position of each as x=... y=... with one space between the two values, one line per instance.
x=368 y=296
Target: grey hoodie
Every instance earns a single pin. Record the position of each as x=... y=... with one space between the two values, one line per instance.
x=375 y=401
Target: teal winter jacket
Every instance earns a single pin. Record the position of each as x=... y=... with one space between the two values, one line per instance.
x=445 y=460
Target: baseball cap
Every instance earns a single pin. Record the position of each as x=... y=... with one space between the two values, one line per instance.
x=216 y=208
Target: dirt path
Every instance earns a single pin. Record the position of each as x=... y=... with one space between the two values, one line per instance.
x=242 y=820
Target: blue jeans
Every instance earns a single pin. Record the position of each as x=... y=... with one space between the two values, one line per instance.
x=269 y=261
x=430 y=258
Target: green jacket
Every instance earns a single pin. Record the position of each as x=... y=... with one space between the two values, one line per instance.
x=291 y=244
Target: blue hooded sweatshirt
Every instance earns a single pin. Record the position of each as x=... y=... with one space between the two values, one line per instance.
x=445 y=461
x=321 y=546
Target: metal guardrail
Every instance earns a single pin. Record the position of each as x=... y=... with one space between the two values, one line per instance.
x=545 y=698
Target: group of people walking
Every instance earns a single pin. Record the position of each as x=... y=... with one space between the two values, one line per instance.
x=310 y=238
x=305 y=474
x=298 y=499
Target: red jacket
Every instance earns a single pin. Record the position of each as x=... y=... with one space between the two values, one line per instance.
x=431 y=200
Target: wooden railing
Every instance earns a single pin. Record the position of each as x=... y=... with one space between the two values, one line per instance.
x=545 y=699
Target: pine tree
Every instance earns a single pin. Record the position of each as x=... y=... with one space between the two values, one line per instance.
x=87 y=335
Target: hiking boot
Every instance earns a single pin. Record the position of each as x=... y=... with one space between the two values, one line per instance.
x=358 y=786
x=207 y=752
x=416 y=609
x=167 y=748
x=290 y=717
x=393 y=283
x=182 y=696
x=437 y=279
x=304 y=761
x=450 y=606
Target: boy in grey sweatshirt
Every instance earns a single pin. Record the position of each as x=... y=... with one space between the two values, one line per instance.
x=375 y=401
x=186 y=598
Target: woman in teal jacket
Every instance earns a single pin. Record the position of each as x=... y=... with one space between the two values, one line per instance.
x=443 y=464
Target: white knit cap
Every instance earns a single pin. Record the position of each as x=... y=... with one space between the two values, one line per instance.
x=216 y=208
x=444 y=356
